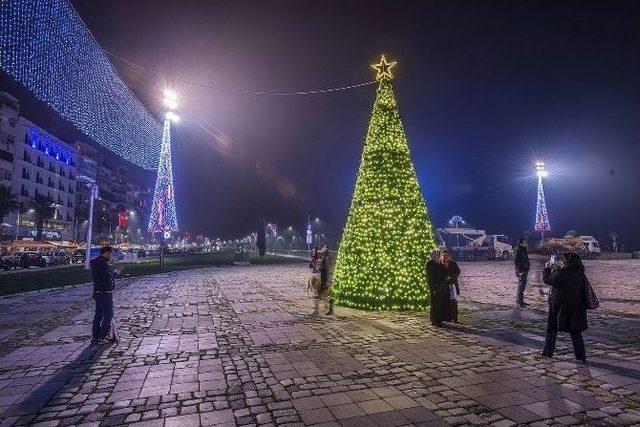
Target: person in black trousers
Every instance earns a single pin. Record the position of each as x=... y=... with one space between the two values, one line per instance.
x=103 y=287
x=567 y=304
x=521 y=261
x=452 y=272
x=438 y=290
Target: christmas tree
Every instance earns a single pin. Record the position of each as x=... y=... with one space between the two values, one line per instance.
x=382 y=257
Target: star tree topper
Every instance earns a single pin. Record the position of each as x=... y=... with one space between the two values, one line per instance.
x=383 y=68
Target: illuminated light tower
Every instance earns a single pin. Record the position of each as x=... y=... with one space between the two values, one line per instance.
x=163 y=217
x=542 y=217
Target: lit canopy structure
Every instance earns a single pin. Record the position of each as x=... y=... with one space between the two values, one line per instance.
x=45 y=46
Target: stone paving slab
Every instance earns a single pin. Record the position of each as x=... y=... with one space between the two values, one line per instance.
x=240 y=346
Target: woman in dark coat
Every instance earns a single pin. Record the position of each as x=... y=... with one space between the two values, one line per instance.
x=567 y=304
x=438 y=290
x=452 y=271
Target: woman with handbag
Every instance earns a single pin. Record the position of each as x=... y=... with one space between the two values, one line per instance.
x=438 y=290
x=452 y=272
x=567 y=303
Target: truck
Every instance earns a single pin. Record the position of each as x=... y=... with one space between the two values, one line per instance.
x=470 y=244
x=586 y=246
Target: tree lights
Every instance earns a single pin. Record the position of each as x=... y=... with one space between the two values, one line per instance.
x=45 y=46
x=542 y=218
x=163 y=209
x=382 y=257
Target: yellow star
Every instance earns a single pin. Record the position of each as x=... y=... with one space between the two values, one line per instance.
x=383 y=68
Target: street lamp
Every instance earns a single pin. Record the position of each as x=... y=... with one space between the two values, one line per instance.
x=93 y=188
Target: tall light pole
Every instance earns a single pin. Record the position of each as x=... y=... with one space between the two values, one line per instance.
x=93 y=194
x=542 y=217
x=163 y=218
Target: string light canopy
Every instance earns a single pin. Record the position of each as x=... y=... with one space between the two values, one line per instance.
x=45 y=46
x=382 y=257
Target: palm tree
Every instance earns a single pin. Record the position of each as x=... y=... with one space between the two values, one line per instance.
x=44 y=209
x=8 y=202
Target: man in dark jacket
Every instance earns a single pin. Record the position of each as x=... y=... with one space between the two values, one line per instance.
x=567 y=304
x=521 y=261
x=103 y=287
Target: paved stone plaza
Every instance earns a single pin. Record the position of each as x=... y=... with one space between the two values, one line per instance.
x=240 y=346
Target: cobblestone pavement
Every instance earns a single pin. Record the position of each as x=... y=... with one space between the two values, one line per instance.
x=240 y=346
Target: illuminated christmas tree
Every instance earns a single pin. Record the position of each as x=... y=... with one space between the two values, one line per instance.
x=163 y=210
x=542 y=217
x=382 y=257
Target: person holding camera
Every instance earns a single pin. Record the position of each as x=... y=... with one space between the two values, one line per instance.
x=567 y=303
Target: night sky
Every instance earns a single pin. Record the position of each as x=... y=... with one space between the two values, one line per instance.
x=484 y=89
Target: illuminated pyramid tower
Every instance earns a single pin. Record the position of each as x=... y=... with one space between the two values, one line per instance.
x=542 y=217
x=382 y=257
x=163 y=210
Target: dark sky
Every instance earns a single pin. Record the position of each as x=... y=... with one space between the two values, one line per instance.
x=484 y=88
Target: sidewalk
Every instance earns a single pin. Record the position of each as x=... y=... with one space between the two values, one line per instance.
x=231 y=346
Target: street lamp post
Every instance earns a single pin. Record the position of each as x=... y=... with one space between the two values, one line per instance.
x=94 y=194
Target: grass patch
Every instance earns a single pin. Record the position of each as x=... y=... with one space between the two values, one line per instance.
x=30 y=280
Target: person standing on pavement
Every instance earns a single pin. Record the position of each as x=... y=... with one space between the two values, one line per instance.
x=324 y=290
x=521 y=261
x=438 y=290
x=567 y=304
x=103 y=287
x=452 y=272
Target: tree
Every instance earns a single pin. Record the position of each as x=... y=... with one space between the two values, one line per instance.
x=383 y=253
x=614 y=239
x=8 y=202
x=44 y=209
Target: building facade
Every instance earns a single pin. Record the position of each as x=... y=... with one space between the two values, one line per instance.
x=35 y=162
x=123 y=197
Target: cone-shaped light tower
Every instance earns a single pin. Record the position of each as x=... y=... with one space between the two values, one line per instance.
x=542 y=217
x=163 y=217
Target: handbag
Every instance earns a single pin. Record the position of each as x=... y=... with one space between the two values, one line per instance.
x=592 y=299
x=453 y=295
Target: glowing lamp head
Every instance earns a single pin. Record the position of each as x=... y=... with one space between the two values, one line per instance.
x=171 y=116
x=541 y=172
x=170 y=99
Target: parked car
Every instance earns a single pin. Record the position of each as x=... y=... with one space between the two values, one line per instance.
x=30 y=259
x=55 y=258
x=78 y=256
x=7 y=263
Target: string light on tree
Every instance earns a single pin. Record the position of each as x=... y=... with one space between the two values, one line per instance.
x=45 y=46
x=163 y=217
x=542 y=217
x=382 y=257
